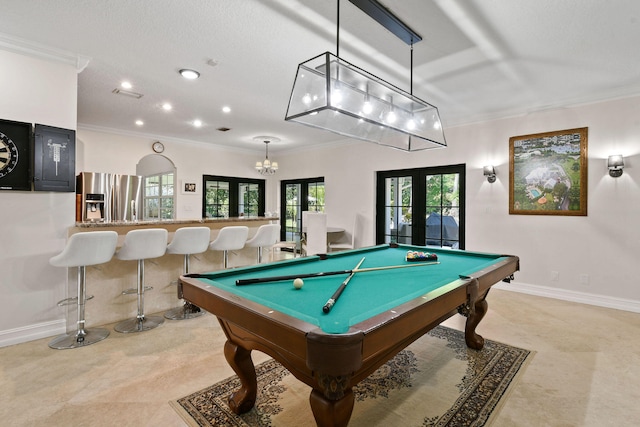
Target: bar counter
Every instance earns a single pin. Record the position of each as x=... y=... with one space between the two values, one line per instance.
x=106 y=282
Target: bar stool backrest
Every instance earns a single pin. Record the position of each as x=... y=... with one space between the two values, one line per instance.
x=143 y=244
x=89 y=248
x=267 y=235
x=190 y=240
x=230 y=238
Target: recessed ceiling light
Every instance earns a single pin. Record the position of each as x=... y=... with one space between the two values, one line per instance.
x=226 y=109
x=166 y=106
x=126 y=85
x=197 y=123
x=139 y=122
x=189 y=74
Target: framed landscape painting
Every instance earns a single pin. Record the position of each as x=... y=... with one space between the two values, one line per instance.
x=548 y=173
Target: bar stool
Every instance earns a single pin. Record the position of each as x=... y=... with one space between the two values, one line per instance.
x=230 y=238
x=187 y=241
x=81 y=250
x=266 y=236
x=140 y=245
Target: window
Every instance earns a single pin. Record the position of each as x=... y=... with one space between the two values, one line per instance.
x=249 y=199
x=421 y=206
x=299 y=195
x=225 y=197
x=158 y=196
x=216 y=199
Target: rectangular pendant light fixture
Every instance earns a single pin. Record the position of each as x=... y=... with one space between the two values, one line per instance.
x=332 y=94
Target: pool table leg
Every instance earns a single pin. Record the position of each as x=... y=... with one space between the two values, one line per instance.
x=472 y=339
x=331 y=413
x=243 y=399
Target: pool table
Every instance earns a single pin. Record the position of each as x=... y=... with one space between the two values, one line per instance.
x=379 y=313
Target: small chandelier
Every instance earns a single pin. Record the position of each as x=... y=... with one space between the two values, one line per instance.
x=266 y=167
x=332 y=94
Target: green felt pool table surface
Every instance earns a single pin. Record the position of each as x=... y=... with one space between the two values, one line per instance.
x=367 y=294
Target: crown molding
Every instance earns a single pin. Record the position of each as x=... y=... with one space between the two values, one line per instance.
x=41 y=51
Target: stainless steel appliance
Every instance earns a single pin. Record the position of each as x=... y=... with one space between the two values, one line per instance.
x=109 y=197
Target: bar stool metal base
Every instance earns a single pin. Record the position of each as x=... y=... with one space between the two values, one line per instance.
x=77 y=339
x=141 y=324
x=187 y=311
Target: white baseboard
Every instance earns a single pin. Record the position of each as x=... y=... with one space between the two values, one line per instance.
x=572 y=296
x=32 y=332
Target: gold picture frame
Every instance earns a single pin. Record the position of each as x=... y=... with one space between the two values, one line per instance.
x=548 y=173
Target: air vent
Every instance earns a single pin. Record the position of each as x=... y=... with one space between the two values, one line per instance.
x=127 y=93
x=223 y=129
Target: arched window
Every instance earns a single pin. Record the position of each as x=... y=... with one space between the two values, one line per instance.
x=159 y=187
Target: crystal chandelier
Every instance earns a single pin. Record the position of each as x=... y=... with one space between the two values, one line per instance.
x=266 y=167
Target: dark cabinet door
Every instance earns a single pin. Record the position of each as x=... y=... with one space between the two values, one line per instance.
x=54 y=159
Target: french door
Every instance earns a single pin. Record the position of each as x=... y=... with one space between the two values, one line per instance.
x=421 y=206
x=297 y=196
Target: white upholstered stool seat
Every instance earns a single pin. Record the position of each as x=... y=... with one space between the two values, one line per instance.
x=140 y=245
x=81 y=250
x=230 y=238
x=187 y=241
x=266 y=236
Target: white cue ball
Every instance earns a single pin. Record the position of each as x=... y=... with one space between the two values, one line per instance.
x=297 y=283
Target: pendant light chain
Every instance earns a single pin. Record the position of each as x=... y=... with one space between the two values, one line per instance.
x=338 y=30
x=411 y=72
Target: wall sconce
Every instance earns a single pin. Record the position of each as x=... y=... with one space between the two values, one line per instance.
x=490 y=173
x=615 y=165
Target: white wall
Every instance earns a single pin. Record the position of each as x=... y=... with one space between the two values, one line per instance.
x=34 y=224
x=603 y=245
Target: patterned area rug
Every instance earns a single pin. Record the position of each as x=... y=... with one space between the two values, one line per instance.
x=436 y=381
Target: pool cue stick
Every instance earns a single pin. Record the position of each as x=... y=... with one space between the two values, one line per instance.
x=338 y=292
x=242 y=282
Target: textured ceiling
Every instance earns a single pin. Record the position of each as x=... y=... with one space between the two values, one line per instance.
x=478 y=60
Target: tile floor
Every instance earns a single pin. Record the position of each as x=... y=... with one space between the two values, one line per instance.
x=584 y=372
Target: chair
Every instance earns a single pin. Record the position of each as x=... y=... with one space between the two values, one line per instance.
x=140 y=245
x=266 y=236
x=187 y=241
x=357 y=231
x=81 y=250
x=285 y=244
x=315 y=228
x=230 y=238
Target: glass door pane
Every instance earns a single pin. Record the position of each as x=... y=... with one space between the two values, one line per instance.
x=442 y=196
x=397 y=210
x=293 y=212
x=217 y=199
x=315 y=196
x=248 y=198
